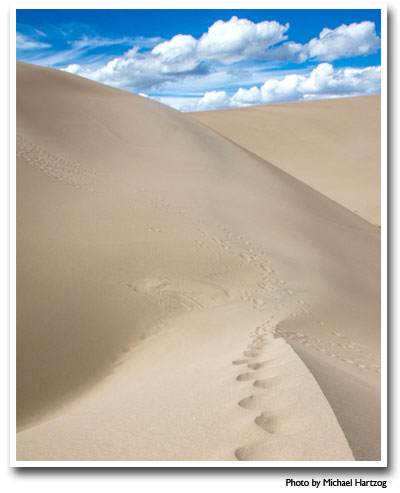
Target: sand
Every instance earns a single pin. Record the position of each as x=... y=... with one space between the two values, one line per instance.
x=180 y=298
x=332 y=145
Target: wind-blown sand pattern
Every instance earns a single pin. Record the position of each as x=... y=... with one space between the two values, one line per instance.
x=180 y=298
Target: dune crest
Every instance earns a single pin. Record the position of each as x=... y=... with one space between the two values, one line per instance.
x=178 y=297
x=332 y=145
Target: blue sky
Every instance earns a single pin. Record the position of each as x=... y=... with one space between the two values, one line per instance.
x=210 y=59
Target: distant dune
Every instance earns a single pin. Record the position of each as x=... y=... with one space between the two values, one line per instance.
x=179 y=297
x=332 y=145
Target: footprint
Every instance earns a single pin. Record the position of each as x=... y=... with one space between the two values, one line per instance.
x=268 y=383
x=248 y=402
x=267 y=423
x=240 y=361
x=243 y=453
x=245 y=377
x=259 y=366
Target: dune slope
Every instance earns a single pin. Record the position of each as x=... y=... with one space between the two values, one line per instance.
x=166 y=276
x=332 y=145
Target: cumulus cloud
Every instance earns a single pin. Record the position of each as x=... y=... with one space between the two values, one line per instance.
x=214 y=100
x=183 y=55
x=288 y=51
x=226 y=43
x=176 y=49
x=346 y=41
x=138 y=71
x=240 y=39
x=323 y=82
x=72 y=68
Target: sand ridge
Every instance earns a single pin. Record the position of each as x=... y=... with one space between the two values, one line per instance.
x=164 y=403
x=333 y=145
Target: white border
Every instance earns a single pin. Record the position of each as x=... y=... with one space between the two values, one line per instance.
x=12 y=339
x=384 y=238
x=13 y=305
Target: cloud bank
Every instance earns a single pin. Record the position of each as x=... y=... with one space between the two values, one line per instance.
x=227 y=43
x=323 y=82
x=183 y=55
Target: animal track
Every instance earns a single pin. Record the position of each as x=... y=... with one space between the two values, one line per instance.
x=67 y=172
x=342 y=348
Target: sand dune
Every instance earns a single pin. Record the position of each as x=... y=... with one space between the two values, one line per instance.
x=332 y=145
x=178 y=297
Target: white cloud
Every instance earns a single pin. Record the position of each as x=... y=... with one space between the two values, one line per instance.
x=178 y=102
x=83 y=47
x=147 y=96
x=26 y=43
x=91 y=42
x=178 y=55
x=239 y=39
x=73 y=68
x=213 y=100
x=287 y=52
x=184 y=55
x=323 y=82
x=195 y=70
x=227 y=42
x=345 y=41
x=176 y=49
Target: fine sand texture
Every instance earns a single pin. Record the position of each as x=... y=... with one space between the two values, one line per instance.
x=179 y=298
x=332 y=145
